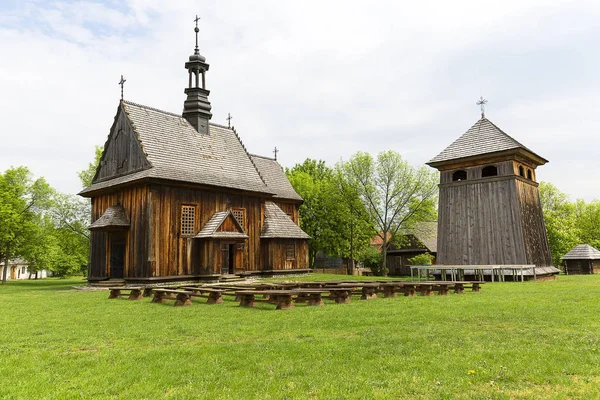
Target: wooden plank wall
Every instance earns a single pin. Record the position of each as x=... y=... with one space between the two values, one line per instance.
x=275 y=254
x=291 y=209
x=124 y=154
x=534 y=228
x=480 y=223
x=173 y=254
x=134 y=201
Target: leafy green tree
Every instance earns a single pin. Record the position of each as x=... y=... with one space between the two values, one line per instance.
x=86 y=175
x=394 y=193
x=587 y=221
x=560 y=220
x=421 y=259
x=21 y=201
x=327 y=214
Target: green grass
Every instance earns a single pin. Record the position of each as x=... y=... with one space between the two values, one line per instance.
x=533 y=340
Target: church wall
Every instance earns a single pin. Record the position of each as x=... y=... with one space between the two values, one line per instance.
x=274 y=253
x=291 y=209
x=534 y=228
x=480 y=223
x=135 y=203
x=173 y=254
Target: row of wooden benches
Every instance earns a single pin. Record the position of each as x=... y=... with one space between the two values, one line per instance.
x=284 y=298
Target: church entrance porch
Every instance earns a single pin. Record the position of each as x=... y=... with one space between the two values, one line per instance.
x=228 y=263
x=117 y=247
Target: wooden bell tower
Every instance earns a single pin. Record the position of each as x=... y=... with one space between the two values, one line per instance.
x=489 y=205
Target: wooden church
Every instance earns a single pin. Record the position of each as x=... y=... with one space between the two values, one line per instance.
x=489 y=205
x=176 y=197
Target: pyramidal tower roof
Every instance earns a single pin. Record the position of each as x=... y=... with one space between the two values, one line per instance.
x=482 y=138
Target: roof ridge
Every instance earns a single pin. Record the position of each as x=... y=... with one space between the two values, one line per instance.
x=250 y=158
x=265 y=157
x=231 y=128
x=152 y=108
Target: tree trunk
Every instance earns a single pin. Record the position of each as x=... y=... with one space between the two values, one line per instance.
x=351 y=261
x=5 y=264
x=384 y=269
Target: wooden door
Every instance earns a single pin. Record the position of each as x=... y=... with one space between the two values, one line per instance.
x=13 y=273
x=225 y=263
x=117 y=255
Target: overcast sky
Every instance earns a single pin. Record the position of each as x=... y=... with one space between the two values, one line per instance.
x=319 y=79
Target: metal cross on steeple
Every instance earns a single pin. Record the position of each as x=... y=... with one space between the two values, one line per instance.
x=482 y=102
x=196 y=29
x=229 y=118
x=275 y=151
x=122 y=83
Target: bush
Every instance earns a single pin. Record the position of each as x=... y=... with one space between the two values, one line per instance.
x=372 y=258
x=421 y=259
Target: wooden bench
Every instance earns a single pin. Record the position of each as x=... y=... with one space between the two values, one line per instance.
x=182 y=297
x=313 y=297
x=135 y=292
x=283 y=298
x=213 y=296
x=391 y=289
x=459 y=287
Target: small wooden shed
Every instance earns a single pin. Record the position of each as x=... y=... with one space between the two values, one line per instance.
x=582 y=259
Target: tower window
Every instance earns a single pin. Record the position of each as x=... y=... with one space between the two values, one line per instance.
x=490 y=170
x=290 y=252
x=521 y=171
x=188 y=220
x=460 y=175
x=529 y=175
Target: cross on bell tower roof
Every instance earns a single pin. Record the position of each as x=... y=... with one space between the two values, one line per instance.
x=196 y=108
x=482 y=102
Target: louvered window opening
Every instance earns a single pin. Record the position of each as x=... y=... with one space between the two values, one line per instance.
x=290 y=252
x=238 y=214
x=188 y=219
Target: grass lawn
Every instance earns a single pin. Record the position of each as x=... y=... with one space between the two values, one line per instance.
x=532 y=340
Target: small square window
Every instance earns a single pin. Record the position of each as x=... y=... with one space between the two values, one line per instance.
x=290 y=252
x=239 y=214
x=188 y=220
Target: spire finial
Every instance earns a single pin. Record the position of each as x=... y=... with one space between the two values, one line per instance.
x=482 y=102
x=229 y=118
x=122 y=83
x=275 y=151
x=196 y=29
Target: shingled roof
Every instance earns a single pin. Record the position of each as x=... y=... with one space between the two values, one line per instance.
x=582 y=252
x=210 y=229
x=278 y=225
x=482 y=138
x=275 y=178
x=426 y=233
x=114 y=217
x=176 y=151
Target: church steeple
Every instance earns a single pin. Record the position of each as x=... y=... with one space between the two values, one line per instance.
x=196 y=108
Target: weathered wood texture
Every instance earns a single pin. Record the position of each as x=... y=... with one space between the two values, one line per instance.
x=576 y=267
x=123 y=153
x=135 y=202
x=491 y=221
x=291 y=209
x=172 y=254
x=274 y=253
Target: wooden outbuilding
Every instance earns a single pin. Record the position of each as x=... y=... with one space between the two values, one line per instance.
x=419 y=239
x=489 y=204
x=176 y=197
x=582 y=259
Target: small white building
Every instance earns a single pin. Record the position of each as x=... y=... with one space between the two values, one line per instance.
x=18 y=269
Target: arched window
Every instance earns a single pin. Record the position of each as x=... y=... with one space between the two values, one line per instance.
x=490 y=170
x=529 y=175
x=521 y=171
x=460 y=175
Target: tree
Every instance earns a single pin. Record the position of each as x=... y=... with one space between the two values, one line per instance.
x=587 y=222
x=560 y=221
x=394 y=193
x=86 y=175
x=21 y=200
x=327 y=214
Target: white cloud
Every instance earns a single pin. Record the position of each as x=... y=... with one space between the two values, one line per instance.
x=318 y=79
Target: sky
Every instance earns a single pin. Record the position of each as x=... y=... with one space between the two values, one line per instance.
x=318 y=79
